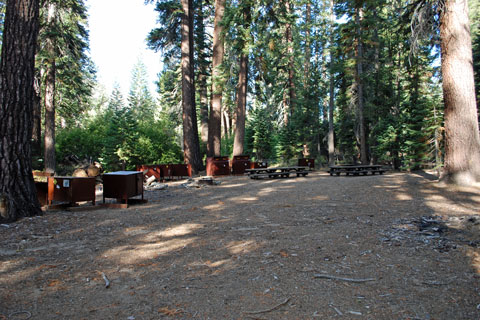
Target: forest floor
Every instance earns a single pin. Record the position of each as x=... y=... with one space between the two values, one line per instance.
x=395 y=246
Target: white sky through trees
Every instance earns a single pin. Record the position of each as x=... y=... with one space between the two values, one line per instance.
x=118 y=29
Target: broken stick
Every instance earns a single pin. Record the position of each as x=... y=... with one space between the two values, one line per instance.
x=327 y=276
x=336 y=310
x=268 y=310
x=27 y=314
x=107 y=282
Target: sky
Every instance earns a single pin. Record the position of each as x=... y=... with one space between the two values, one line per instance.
x=118 y=29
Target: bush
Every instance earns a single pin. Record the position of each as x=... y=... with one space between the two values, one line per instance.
x=79 y=142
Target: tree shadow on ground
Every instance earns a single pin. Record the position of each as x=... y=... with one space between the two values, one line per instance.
x=427 y=175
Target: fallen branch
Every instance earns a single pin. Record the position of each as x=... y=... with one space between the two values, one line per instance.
x=27 y=313
x=327 y=276
x=269 y=310
x=107 y=282
x=355 y=313
x=171 y=312
x=336 y=310
x=436 y=283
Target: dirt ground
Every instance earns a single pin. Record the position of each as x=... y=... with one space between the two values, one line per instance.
x=396 y=246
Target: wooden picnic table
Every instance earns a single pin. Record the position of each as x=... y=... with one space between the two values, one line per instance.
x=356 y=170
x=277 y=172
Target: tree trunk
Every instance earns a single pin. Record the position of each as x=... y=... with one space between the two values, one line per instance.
x=376 y=58
x=309 y=139
x=308 y=54
x=37 y=120
x=215 y=121
x=226 y=124
x=49 y=151
x=438 y=136
x=18 y=196
x=462 y=140
x=376 y=102
x=191 y=147
x=202 y=76
x=202 y=79
x=241 y=110
x=331 y=134
x=291 y=65
x=359 y=85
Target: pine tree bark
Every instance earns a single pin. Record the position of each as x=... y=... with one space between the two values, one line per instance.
x=291 y=64
x=359 y=85
x=215 y=120
x=37 y=120
x=202 y=79
x=191 y=146
x=202 y=75
x=376 y=59
x=18 y=196
x=331 y=105
x=226 y=124
x=241 y=110
x=308 y=53
x=49 y=143
x=309 y=141
x=49 y=151
x=462 y=140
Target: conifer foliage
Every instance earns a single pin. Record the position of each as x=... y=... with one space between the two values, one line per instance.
x=306 y=56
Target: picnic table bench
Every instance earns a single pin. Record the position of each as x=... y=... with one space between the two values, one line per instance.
x=356 y=169
x=277 y=172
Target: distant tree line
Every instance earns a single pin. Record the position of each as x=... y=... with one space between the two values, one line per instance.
x=341 y=81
